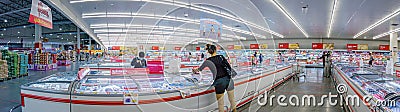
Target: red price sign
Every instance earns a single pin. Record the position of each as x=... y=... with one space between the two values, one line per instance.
x=317 y=45
x=155 y=48
x=384 y=47
x=352 y=46
x=254 y=46
x=283 y=45
x=178 y=48
x=231 y=47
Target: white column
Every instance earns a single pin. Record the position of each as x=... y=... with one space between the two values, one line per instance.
x=393 y=46
x=90 y=44
x=78 y=47
x=38 y=32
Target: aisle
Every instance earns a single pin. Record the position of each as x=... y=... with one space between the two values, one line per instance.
x=10 y=90
x=314 y=84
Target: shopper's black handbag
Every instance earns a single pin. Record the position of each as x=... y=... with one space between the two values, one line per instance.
x=231 y=72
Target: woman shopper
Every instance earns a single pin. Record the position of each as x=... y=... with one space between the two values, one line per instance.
x=222 y=80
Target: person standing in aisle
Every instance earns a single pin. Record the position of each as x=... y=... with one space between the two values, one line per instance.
x=218 y=66
x=371 y=59
x=139 y=62
x=260 y=58
x=325 y=63
x=281 y=58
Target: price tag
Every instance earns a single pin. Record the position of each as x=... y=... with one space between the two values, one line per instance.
x=131 y=99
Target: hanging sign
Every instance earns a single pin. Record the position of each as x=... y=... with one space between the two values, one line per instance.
x=210 y=28
x=362 y=47
x=254 y=46
x=294 y=46
x=41 y=14
x=384 y=47
x=155 y=48
x=352 y=46
x=329 y=46
x=197 y=48
x=283 y=45
x=231 y=47
x=237 y=47
x=263 y=46
x=317 y=45
x=115 y=48
x=178 y=48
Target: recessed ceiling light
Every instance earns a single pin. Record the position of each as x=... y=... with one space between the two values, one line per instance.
x=111 y=4
x=51 y=34
x=17 y=37
x=24 y=26
x=2 y=34
x=70 y=33
x=33 y=35
x=62 y=38
x=5 y=20
x=60 y=28
x=19 y=32
x=67 y=39
x=4 y=29
x=58 y=36
x=41 y=37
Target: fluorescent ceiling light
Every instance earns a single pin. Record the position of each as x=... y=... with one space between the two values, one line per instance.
x=202 y=9
x=335 y=2
x=384 y=19
x=386 y=33
x=133 y=28
x=280 y=7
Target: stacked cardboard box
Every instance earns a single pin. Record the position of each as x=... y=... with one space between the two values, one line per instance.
x=3 y=69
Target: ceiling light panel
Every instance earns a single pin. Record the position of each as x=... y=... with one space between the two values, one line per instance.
x=199 y=8
x=287 y=14
x=331 y=21
x=384 y=19
x=386 y=33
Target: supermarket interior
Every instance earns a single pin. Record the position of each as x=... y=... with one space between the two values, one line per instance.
x=199 y=55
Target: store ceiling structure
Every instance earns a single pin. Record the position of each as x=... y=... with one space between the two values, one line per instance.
x=14 y=25
x=127 y=22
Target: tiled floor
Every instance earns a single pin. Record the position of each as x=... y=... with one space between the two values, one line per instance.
x=10 y=90
x=313 y=84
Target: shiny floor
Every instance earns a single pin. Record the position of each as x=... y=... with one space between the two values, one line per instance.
x=10 y=89
x=312 y=84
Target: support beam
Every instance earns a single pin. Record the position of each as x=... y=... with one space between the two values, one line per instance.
x=38 y=32
x=393 y=45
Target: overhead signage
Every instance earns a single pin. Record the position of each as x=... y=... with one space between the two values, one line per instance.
x=254 y=46
x=283 y=45
x=294 y=46
x=362 y=47
x=237 y=47
x=115 y=48
x=178 y=48
x=317 y=46
x=230 y=47
x=263 y=46
x=384 y=47
x=210 y=28
x=197 y=48
x=329 y=46
x=41 y=14
x=352 y=46
x=155 y=48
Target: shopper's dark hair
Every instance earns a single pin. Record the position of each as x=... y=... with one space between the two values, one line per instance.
x=141 y=54
x=211 y=48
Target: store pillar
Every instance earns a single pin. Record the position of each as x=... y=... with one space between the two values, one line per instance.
x=393 y=45
x=78 y=47
x=38 y=32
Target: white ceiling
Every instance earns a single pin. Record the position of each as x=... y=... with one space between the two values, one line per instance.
x=130 y=21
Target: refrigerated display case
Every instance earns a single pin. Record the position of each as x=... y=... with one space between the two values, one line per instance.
x=369 y=82
x=169 y=92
